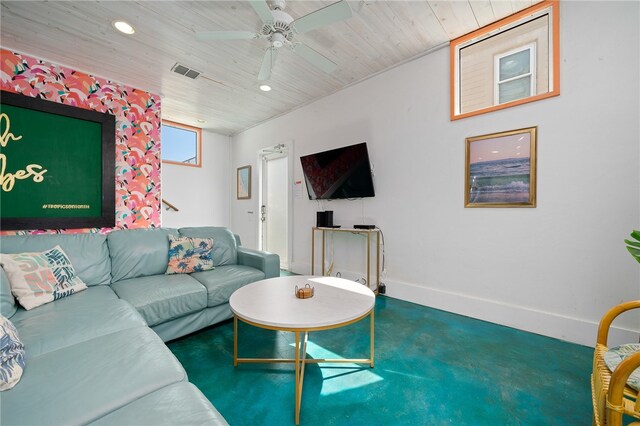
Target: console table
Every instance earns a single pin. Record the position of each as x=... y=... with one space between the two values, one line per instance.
x=367 y=232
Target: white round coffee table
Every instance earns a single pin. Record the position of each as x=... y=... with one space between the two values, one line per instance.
x=272 y=304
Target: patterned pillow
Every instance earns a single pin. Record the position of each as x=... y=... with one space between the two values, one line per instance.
x=615 y=356
x=188 y=255
x=11 y=355
x=39 y=278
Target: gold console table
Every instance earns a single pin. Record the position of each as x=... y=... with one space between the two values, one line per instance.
x=367 y=232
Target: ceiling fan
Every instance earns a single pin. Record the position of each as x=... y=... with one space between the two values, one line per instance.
x=280 y=29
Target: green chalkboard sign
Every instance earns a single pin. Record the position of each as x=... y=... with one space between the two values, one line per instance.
x=57 y=165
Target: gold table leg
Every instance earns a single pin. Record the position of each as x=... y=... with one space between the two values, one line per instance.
x=300 y=360
x=371 y=339
x=297 y=412
x=235 y=341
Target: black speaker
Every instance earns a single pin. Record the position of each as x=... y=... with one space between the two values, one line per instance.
x=321 y=219
x=328 y=218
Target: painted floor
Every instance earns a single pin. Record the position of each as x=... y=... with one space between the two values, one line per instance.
x=431 y=368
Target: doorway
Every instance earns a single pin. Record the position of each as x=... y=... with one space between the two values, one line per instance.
x=275 y=202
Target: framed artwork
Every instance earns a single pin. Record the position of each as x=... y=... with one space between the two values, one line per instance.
x=501 y=169
x=244 y=183
x=57 y=165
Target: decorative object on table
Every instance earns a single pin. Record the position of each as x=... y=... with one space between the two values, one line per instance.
x=634 y=246
x=501 y=169
x=305 y=292
x=244 y=183
x=325 y=219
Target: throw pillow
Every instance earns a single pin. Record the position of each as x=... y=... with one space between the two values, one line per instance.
x=615 y=356
x=188 y=255
x=39 y=278
x=11 y=355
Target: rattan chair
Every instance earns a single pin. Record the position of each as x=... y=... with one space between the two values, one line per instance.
x=612 y=398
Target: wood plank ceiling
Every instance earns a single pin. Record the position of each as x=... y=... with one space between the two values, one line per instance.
x=380 y=34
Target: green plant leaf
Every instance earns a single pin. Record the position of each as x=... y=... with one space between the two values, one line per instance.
x=634 y=252
x=632 y=243
x=634 y=246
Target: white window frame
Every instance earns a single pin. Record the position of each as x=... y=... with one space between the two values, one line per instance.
x=531 y=47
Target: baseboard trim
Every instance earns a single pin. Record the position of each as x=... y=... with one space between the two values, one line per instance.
x=570 y=329
x=574 y=330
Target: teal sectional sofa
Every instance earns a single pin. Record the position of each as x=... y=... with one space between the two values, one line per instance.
x=98 y=356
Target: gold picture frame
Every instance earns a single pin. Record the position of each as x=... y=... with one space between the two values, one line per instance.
x=501 y=169
x=243 y=183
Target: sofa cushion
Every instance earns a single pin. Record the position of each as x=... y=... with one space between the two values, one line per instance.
x=7 y=302
x=224 y=280
x=178 y=404
x=88 y=253
x=224 y=247
x=187 y=255
x=139 y=252
x=37 y=278
x=614 y=356
x=11 y=355
x=84 y=382
x=161 y=298
x=94 y=312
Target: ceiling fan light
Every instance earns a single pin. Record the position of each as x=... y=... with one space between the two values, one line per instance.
x=123 y=27
x=265 y=87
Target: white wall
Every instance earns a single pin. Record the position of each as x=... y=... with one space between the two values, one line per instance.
x=200 y=193
x=553 y=269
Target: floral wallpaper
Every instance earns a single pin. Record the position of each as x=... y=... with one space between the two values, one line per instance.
x=137 y=115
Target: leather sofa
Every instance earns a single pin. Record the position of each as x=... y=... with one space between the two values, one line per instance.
x=98 y=356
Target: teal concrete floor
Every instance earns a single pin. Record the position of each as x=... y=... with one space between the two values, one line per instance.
x=431 y=368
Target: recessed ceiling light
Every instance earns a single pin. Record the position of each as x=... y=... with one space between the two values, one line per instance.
x=265 y=87
x=123 y=27
x=202 y=121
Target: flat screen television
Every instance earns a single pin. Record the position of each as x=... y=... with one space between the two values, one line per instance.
x=339 y=173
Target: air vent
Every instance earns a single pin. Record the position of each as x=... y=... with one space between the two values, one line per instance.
x=186 y=71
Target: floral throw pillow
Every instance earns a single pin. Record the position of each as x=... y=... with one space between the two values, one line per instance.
x=39 y=278
x=615 y=356
x=188 y=255
x=11 y=355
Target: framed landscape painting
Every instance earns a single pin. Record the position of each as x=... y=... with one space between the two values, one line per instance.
x=501 y=169
x=244 y=183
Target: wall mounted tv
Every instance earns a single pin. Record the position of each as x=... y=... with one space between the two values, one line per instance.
x=339 y=173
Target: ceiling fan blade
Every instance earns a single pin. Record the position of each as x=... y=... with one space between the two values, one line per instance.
x=327 y=15
x=226 y=35
x=262 y=9
x=268 y=62
x=315 y=58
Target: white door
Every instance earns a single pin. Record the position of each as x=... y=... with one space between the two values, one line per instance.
x=275 y=208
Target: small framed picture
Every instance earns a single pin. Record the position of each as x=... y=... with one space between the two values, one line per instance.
x=501 y=169
x=244 y=183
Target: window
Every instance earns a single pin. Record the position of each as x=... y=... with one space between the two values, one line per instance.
x=181 y=144
x=515 y=74
x=507 y=63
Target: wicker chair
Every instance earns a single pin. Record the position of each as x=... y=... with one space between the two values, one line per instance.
x=612 y=398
